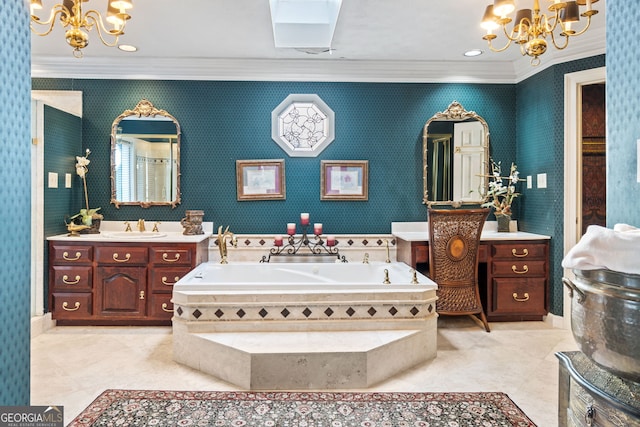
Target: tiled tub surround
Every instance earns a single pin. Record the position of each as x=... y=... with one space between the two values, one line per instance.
x=252 y=247
x=303 y=325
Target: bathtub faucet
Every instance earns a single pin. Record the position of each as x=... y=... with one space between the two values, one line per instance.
x=365 y=260
x=388 y=260
x=222 y=243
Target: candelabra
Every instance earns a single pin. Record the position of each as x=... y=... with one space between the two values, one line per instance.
x=304 y=246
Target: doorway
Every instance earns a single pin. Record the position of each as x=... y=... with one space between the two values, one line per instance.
x=573 y=164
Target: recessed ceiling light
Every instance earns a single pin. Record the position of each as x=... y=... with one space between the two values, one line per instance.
x=473 y=52
x=127 y=48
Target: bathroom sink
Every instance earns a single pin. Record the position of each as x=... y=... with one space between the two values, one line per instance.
x=133 y=235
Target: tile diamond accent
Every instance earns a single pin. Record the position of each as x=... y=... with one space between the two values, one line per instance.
x=351 y=311
x=197 y=313
x=285 y=312
x=393 y=311
x=263 y=313
x=180 y=311
x=328 y=312
x=241 y=313
x=414 y=311
x=372 y=311
x=219 y=313
x=307 y=312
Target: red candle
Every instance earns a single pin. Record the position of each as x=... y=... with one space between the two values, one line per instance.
x=331 y=240
x=291 y=228
x=317 y=228
x=278 y=241
x=304 y=218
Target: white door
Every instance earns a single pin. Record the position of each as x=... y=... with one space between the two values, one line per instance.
x=468 y=161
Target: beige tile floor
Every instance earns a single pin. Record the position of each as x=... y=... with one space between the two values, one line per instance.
x=70 y=366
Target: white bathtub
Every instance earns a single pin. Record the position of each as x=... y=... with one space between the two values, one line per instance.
x=339 y=324
x=338 y=277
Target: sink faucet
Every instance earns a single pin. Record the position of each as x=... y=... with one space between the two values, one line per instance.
x=222 y=243
x=141 y=225
x=388 y=260
x=128 y=228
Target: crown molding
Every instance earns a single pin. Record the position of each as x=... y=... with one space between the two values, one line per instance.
x=472 y=71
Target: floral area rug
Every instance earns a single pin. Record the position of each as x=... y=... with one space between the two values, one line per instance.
x=301 y=409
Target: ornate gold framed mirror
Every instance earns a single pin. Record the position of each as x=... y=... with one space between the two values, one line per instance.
x=145 y=157
x=455 y=150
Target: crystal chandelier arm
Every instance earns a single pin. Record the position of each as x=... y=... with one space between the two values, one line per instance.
x=96 y=20
x=56 y=10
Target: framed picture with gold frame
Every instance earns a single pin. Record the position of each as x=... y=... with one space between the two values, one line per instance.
x=260 y=179
x=344 y=180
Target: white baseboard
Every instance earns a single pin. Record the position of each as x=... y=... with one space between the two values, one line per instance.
x=41 y=324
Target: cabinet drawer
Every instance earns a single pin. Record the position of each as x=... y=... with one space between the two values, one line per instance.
x=69 y=254
x=421 y=253
x=171 y=256
x=585 y=406
x=69 y=305
x=72 y=278
x=522 y=251
x=163 y=279
x=121 y=255
x=519 y=268
x=517 y=295
x=161 y=306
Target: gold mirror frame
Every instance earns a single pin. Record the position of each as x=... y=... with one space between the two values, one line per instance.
x=454 y=113
x=144 y=109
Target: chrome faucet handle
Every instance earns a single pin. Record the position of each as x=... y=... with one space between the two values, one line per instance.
x=365 y=260
x=386 y=280
x=128 y=224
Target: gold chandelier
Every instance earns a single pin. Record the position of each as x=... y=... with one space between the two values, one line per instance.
x=72 y=17
x=531 y=28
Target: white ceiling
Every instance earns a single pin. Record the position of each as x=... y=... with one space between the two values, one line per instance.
x=374 y=40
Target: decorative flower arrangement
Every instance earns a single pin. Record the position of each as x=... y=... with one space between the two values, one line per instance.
x=85 y=216
x=501 y=193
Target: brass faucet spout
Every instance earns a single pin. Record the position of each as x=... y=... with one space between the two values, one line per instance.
x=222 y=243
x=141 y=227
x=388 y=260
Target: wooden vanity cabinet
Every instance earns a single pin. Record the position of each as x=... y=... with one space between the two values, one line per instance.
x=108 y=283
x=513 y=275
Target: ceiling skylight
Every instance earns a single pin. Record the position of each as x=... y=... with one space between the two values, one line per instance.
x=304 y=23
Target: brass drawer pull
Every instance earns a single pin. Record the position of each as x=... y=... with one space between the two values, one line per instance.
x=525 y=269
x=141 y=294
x=65 y=255
x=165 y=257
x=66 y=281
x=524 y=253
x=65 y=306
x=164 y=308
x=116 y=258
x=164 y=281
x=523 y=299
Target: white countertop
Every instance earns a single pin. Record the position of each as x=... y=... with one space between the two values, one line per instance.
x=419 y=232
x=114 y=231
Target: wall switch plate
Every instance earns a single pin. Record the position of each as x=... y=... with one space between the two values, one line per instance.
x=67 y=180
x=53 y=180
x=542 y=180
x=529 y=182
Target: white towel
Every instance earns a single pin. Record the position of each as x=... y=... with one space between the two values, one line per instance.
x=600 y=247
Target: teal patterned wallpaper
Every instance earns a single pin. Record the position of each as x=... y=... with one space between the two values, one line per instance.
x=225 y=121
x=540 y=149
x=15 y=175
x=623 y=113
x=62 y=142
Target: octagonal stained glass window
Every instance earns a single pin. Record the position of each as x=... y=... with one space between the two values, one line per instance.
x=302 y=125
